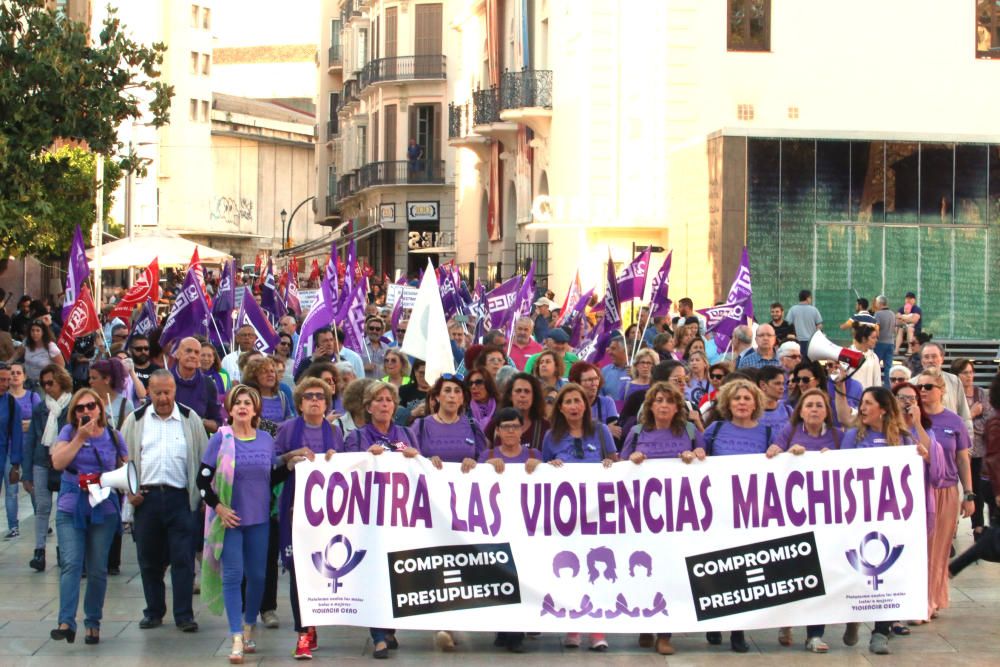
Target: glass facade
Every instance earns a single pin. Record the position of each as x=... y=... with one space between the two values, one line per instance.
x=861 y=218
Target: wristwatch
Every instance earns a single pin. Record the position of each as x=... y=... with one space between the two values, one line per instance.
x=970 y=497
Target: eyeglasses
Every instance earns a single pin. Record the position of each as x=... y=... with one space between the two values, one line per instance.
x=898 y=378
x=401 y=331
x=284 y=342
x=140 y=348
x=48 y=383
x=453 y=376
x=391 y=360
x=314 y=396
x=85 y=407
x=926 y=387
x=476 y=382
x=718 y=376
x=375 y=329
x=509 y=427
x=906 y=398
x=794 y=356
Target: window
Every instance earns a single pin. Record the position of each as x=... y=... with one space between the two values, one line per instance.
x=195 y=11
x=987 y=29
x=206 y=64
x=195 y=58
x=204 y=110
x=193 y=110
x=749 y=26
x=206 y=18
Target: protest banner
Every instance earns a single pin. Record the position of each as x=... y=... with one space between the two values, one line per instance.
x=407 y=292
x=731 y=542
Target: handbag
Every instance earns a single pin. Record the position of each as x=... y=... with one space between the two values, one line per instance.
x=54 y=479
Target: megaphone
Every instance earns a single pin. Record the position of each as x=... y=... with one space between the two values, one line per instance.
x=124 y=479
x=822 y=349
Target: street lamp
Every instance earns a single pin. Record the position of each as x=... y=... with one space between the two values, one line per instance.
x=284 y=231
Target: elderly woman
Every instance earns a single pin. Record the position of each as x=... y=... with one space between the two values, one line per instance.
x=86 y=447
x=46 y=421
x=397 y=368
x=483 y=396
x=376 y=437
x=211 y=366
x=951 y=433
x=235 y=481
x=642 y=373
x=523 y=393
x=602 y=408
x=663 y=432
x=300 y=439
x=354 y=416
x=980 y=410
x=327 y=372
x=576 y=437
x=276 y=405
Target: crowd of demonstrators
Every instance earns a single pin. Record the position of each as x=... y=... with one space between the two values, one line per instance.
x=219 y=432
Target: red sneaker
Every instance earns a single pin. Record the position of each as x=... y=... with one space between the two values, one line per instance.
x=302 y=648
x=313 y=640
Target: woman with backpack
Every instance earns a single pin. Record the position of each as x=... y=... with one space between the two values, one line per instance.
x=663 y=432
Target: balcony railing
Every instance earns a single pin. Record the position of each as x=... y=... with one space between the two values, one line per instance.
x=334 y=56
x=486 y=106
x=332 y=128
x=347 y=185
x=402 y=172
x=403 y=68
x=527 y=88
x=349 y=94
x=460 y=120
x=331 y=204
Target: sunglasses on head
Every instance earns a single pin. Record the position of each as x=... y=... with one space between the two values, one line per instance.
x=458 y=377
x=85 y=407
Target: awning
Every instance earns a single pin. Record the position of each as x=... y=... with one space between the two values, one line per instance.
x=141 y=250
x=316 y=244
x=357 y=235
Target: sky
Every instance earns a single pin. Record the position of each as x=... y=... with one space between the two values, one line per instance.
x=265 y=22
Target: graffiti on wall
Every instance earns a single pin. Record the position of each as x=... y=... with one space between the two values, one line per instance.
x=233 y=211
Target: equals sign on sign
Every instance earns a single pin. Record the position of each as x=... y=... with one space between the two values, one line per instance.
x=755 y=575
x=452 y=576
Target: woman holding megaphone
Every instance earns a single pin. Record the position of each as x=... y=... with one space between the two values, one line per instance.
x=84 y=449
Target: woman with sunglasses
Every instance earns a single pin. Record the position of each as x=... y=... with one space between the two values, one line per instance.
x=950 y=431
x=805 y=376
x=602 y=408
x=524 y=394
x=397 y=368
x=86 y=447
x=663 y=432
x=739 y=431
x=881 y=423
x=577 y=438
x=38 y=351
x=328 y=373
x=483 y=396
x=284 y=351
x=301 y=439
x=235 y=480
x=377 y=436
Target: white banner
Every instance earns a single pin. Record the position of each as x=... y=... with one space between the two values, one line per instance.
x=307 y=298
x=407 y=292
x=736 y=542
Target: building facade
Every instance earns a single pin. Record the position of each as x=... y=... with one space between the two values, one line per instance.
x=386 y=163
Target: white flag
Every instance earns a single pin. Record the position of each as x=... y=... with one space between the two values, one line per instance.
x=427 y=333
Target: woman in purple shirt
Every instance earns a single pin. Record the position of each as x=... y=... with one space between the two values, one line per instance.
x=953 y=436
x=483 y=396
x=298 y=440
x=449 y=434
x=509 y=448
x=245 y=519
x=663 y=432
x=810 y=428
x=602 y=408
x=376 y=437
x=576 y=438
x=523 y=393
x=85 y=448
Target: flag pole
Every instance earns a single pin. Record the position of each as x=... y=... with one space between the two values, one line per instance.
x=649 y=308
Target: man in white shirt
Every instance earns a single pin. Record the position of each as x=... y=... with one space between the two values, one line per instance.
x=932 y=356
x=166 y=441
x=870 y=373
x=245 y=338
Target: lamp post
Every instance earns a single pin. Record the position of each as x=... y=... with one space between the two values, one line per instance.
x=292 y=217
x=284 y=230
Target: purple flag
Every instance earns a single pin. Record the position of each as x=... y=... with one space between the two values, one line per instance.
x=269 y=295
x=741 y=289
x=477 y=303
x=449 y=293
x=595 y=344
x=632 y=280
x=221 y=333
x=320 y=315
x=612 y=304
x=352 y=262
x=352 y=318
x=522 y=304
x=251 y=315
x=145 y=323
x=576 y=316
x=77 y=273
x=189 y=314
x=500 y=300
x=722 y=320
x=659 y=301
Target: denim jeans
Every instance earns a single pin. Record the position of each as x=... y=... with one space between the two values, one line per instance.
x=43 y=505
x=884 y=353
x=74 y=544
x=10 y=495
x=244 y=552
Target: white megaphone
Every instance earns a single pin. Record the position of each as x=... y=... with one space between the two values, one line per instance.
x=822 y=349
x=124 y=479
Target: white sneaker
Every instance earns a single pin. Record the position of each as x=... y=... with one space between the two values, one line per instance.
x=444 y=641
x=270 y=618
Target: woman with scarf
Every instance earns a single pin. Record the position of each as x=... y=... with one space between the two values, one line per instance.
x=483 y=396
x=86 y=447
x=298 y=440
x=46 y=420
x=376 y=437
x=235 y=482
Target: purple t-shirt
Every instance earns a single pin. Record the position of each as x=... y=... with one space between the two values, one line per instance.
x=950 y=431
x=828 y=439
x=661 y=443
x=85 y=461
x=632 y=388
x=590 y=447
x=27 y=403
x=274 y=408
x=451 y=442
x=396 y=440
x=603 y=410
x=252 y=477
x=312 y=437
x=728 y=439
x=495 y=453
x=871 y=439
x=777 y=418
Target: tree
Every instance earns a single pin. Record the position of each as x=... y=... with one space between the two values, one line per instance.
x=56 y=87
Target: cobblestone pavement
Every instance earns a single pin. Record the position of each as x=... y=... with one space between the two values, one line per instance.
x=966 y=634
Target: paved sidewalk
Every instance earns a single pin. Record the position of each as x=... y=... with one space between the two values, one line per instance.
x=966 y=634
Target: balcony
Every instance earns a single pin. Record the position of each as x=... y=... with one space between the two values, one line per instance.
x=334 y=57
x=347 y=185
x=403 y=68
x=332 y=210
x=348 y=95
x=526 y=99
x=486 y=120
x=461 y=132
x=402 y=172
x=332 y=128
